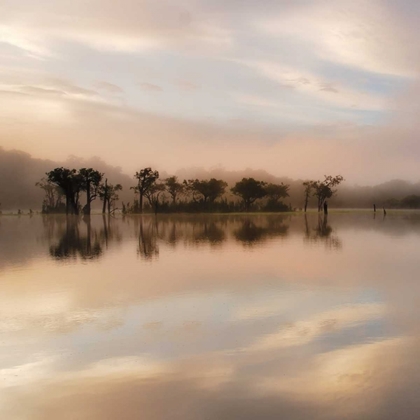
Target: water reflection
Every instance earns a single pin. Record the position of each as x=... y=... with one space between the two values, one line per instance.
x=72 y=237
x=322 y=232
x=148 y=234
x=227 y=323
x=256 y=231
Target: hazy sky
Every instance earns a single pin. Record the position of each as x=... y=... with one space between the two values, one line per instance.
x=298 y=87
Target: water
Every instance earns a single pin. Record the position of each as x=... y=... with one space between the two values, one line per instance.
x=210 y=317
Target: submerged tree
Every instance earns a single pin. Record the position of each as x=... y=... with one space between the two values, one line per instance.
x=308 y=186
x=90 y=182
x=323 y=190
x=153 y=194
x=108 y=194
x=69 y=181
x=53 y=196
x=250 y=190
x=146 y=178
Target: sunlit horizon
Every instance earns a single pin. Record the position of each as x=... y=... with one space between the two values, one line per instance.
x=297 y=89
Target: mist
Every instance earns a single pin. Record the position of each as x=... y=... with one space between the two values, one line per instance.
x=299 y=90
x=19 y=172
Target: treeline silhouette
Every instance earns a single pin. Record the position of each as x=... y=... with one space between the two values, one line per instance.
x=19 y=171
x=409 y=202
x=64 y=187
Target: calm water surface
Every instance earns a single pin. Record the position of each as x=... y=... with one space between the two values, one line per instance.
x=210 y=317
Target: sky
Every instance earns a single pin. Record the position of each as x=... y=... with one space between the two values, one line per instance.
x=300 y=88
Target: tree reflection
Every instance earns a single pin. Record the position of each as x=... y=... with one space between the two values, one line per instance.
x=322 y=233
x=208 y=232
x=90 y=237
x=148 y=238
x=76 y=240
x=254 y=231
x=71 y=237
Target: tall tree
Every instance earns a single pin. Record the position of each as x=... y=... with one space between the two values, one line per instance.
x=108 y=194
x=146 y=178
x=250 y=190
x=174 y=187
x=323 y=190
x=308 y=186
x=90 y=180
x=70 y=183
x=153 y=194
x=113 y=196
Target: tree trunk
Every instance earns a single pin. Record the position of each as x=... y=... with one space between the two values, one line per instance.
x=88 y=200
x=67 y=204
x=73 y=204
x=75 y=207
x=141 y=202
x=105 y=196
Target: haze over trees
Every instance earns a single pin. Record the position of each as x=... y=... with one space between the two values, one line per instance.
x=145 y=180
x=174 y=188
x=108 y=194
x=19 y=172
x=90 y=180
x=70 y=183
x=322 y=190
x=249 y=190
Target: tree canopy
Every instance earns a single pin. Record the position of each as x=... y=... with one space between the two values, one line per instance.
x=145 y=180
x=249 y=190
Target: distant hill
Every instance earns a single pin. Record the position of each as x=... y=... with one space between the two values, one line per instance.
x=19 y=172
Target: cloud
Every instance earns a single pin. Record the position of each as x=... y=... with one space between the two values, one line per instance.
x=296 y=152
x=328 y=87
x=102 y=25
x=303 y=332
x=187 y=85
x=366 y=36
x=287 y=85
x=319 y=88
x=150 y=87
x=109 y=87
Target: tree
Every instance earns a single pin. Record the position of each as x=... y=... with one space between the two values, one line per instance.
x=90 y=182
x=174 y=187
x=208 y=190
x=113 y=196
x=146 y=178
x=275 y=193
x=108 y=194
x=324 y=189
x=249 y=190
x=308 y=186
x=53 y=195
x=189 y=189
x=411 y=202
x=70 y=183
x=153 y=194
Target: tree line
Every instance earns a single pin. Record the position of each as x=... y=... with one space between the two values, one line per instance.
x=64 y=189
